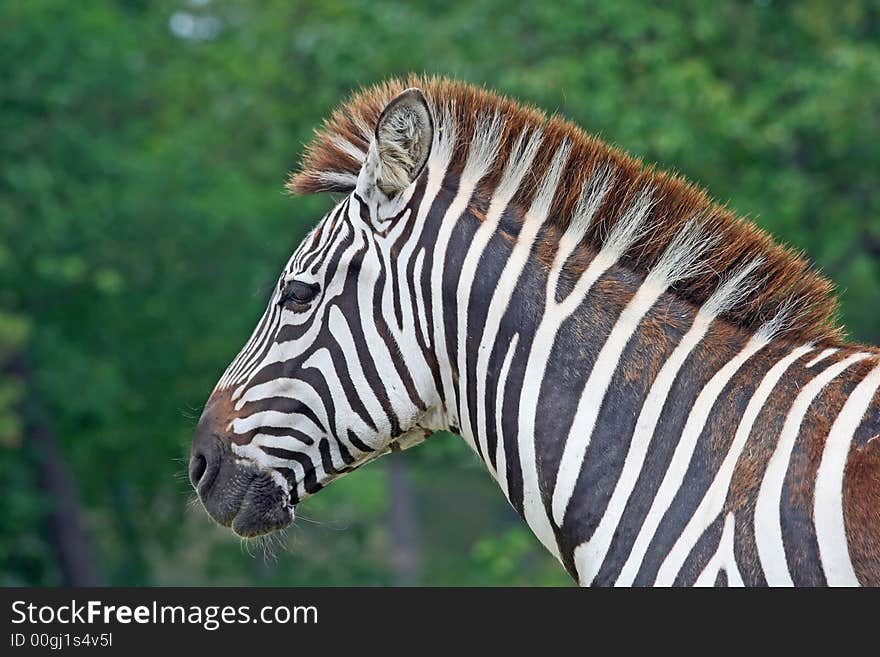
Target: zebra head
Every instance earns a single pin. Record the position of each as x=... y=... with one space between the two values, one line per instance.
x=321 y=386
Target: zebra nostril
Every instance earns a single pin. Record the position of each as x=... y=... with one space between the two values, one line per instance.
x=198 y=464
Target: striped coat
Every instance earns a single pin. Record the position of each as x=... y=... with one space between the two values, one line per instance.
x=659 y=389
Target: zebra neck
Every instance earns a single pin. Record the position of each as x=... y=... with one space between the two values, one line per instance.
x=558 y=380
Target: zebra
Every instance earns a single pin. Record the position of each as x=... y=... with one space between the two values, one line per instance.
x=660 y=390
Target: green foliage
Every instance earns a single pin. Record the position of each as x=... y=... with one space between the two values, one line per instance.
x=143 y=149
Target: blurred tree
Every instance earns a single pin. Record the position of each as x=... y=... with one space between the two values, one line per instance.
x=403 y=528
x=143 y=148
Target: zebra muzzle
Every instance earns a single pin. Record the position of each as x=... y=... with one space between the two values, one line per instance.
x=235 y=492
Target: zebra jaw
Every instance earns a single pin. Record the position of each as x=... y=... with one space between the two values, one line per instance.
x=251 y=458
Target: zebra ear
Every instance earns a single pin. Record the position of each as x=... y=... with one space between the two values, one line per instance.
x=404 y=133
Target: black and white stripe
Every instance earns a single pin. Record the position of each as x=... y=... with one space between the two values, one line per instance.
x=616 y=417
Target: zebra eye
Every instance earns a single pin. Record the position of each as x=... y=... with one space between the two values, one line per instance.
x=298 y=293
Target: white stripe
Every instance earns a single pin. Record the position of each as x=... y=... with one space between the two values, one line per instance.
x=413 y=311
x=249 y=356
x=379 y=351
x=589 y=555
x=441 y=152
x=723 y=559
x=289 y=389
x=675 y=264
x=345 y=415
x=278 y=420
x=681 y=457
x=590 y=403
x=533 y=506
x=404 y=335
x=828 y=504
x=283 y=442
x=822 y=356
x=341 y=332
x=453 y=212
x=515 y=170
x=475 y=168
x=594 y=192
x=420 y=297
x=623 y=234
x=281 y=387
x=712 y=503
x=500 y=454
x=768 y=527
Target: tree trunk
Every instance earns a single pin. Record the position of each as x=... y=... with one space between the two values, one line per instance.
x=402 y=524
x=65 y=524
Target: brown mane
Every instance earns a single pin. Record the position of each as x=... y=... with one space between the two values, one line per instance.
x=784 y=279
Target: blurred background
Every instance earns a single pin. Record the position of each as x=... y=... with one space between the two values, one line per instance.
x=144 y=145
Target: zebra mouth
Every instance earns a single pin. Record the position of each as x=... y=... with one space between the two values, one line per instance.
x=264 y=508
x=237 y=493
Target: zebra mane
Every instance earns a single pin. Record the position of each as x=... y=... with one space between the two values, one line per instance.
x=780 y=281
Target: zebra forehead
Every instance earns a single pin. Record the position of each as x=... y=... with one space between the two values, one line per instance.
x=779 y=277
